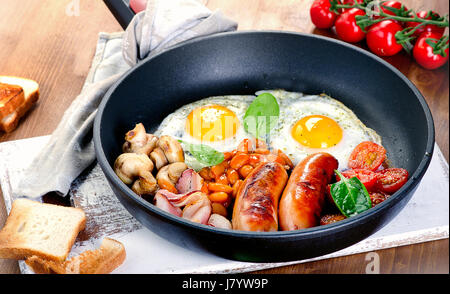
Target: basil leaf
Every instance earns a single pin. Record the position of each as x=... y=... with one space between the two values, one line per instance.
x=204 y=154
x=262 y=115
x=350 y=195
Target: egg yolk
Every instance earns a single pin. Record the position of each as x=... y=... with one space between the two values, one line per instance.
x=317 y=131
x=212 y=123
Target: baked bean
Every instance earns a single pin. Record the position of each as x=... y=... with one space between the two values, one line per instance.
x=218 y=197
x=245 y=170
x=205 y=173
x=219 y=209
x=222 y=179
x=232 y=176
x=227 y=155
x=217 y=187
x=236 y=187
x=217 y=170
x=239 y=160
x=254 y=159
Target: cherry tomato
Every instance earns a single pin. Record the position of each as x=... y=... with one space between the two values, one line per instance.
x=346 y=27
x=321 y=16
x=367 y=155
x=392 y=4
x=367 y=177
x=423 y=53
x=377 y=197
x=390 y=180
x=138 y=5
x=381 y=38
x=427 y=28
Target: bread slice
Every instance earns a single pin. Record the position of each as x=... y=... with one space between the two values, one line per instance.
x=45 y=230
x=103 y=260
x=12 y=114
x=11 y=97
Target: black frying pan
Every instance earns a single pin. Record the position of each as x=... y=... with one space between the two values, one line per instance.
x=242 y=63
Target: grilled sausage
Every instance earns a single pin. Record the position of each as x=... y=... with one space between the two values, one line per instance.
x=256 y=204
x=303 y=197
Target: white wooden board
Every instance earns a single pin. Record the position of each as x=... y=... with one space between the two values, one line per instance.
x=425 y=218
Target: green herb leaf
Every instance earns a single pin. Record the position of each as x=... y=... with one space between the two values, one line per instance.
x=350 y=195
x=204 y=154
x=262 y=115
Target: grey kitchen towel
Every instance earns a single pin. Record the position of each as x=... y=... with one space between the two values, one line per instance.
x=70 y=149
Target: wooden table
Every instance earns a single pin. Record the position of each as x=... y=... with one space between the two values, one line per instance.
x=39 y=40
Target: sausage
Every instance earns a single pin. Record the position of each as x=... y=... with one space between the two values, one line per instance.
x=303 y=198
x=256 y=204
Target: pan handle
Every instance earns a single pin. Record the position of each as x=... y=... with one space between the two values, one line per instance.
x=121 y=11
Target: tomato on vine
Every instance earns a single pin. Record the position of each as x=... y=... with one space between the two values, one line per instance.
x=431 y=50
x=321 y=16
x=346 y=27
x=381 y=38
x=430 y=15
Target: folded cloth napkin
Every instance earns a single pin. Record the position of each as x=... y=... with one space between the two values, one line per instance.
x=70 y=149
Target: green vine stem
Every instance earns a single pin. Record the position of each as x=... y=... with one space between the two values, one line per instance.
x=404 y=37
x=439 y=46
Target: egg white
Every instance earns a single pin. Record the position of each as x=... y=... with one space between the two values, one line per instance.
x=294 y=106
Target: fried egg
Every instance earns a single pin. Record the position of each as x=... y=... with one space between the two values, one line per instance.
x=317 y=123
x=307 y=124
x=215 y=121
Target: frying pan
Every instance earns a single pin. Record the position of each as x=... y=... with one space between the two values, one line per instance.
x=243 y=63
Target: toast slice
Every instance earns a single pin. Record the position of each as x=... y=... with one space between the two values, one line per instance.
x=103 y=260
x=9 y=119
x=11 y=97
x=45 y=230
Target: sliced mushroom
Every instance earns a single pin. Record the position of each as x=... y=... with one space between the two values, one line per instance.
x=133 y=166
x=172 y=149
x=145 y=185
x=175 y=171
x=158 y=158
x=164 y=182
x=169 y=174
x=138 y=141
x=129 y=166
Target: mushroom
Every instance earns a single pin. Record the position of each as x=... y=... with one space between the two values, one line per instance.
x=138 y=141
x=175 y=171
x=169 y=174
x=158 y=158
x=145 y=186
x=172 y=149
x=219 y=221
x=132 y=166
